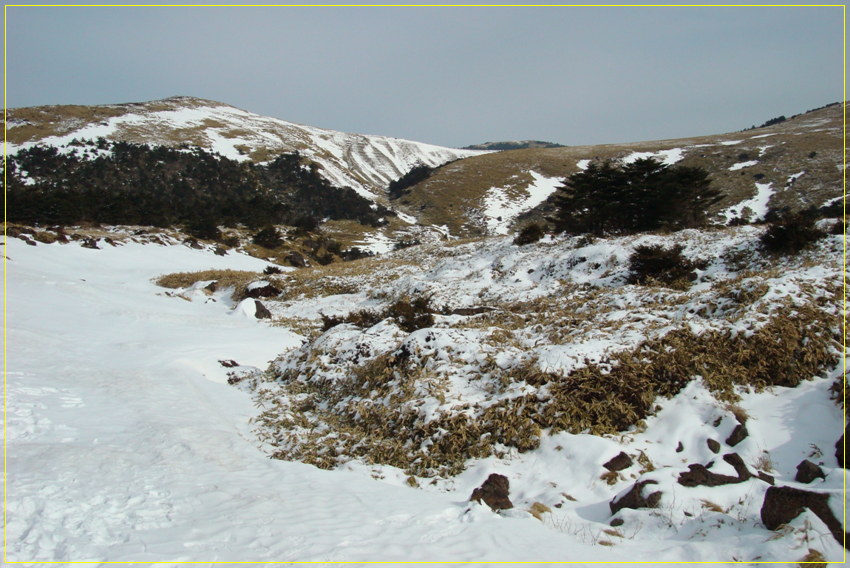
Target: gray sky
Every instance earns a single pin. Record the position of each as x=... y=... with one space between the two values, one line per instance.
x=448 y=76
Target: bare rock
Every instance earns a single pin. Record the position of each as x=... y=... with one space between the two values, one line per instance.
x=494 y=492
x=634 y=499
x=619 y=462
x=769 y=479
x=713 y=445
x=262 y=311
x=738 y=435
x=699 y=475
x=783 y=504
x=808 y=472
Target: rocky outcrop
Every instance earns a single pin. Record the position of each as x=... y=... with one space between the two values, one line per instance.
x=494 y=492
x=808 y=472
x=784 y=504
x=619 y=462
x=737 y=436
x=699 y=475
x=262 y=311
x=634 y=499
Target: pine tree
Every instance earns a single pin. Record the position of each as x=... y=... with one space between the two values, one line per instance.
x=645 y=195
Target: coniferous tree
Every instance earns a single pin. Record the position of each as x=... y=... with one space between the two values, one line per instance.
x=644 y=195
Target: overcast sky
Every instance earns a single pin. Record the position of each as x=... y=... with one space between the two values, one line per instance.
x=448 y=76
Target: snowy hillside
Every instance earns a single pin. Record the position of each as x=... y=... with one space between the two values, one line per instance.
x=125 y=441
x=365 y=163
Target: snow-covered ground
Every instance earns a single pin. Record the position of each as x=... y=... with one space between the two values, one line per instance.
x=125 y=443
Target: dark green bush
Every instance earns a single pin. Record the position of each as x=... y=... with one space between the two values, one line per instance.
x=791 y=234
x=645 y=195
x=665 y=266
x=531 y=233
x=269 y=238
x=412 y=314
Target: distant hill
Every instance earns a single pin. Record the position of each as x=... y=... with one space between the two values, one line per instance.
x=364 y=163
x=515 y=145
x=796 y=163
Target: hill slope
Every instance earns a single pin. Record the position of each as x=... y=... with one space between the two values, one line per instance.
x=365 y=163
x=796 y=163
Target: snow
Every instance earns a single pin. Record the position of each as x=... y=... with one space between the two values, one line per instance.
x=794 y=177
x=667 y=157
x=731 y=142
x=501 y=207
x=741 y=165
x=409 y=219
x=757 y=204
x=125 y=443
x=582 y=164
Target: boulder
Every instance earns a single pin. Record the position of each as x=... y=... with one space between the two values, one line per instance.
x=839 y=450
x=89 y=243
x=699 y=475
x=619 y=462
x=634 y=498
x=808 y=472
x=494 y=492
x=783 y=504
x=262 y=311
x=737 y=436
x=680 y=448
x=713 y=445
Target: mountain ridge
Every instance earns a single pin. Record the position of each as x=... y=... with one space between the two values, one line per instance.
x=366 y=163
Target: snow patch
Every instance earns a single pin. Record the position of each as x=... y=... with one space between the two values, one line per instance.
x=667 y=157
x=501 y=208
x=757 y=205
x=741 y=165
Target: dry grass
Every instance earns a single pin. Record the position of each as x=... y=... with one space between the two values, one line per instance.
x=712 y=506
x=362 y=414
x=236 y=279
x=814 y=559
x=764 y=462
x=538 y=510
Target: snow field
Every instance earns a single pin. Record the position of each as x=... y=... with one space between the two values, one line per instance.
x=124 y=442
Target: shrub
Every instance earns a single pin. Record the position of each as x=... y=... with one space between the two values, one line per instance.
x=645 y=195
x=272 y=270
x=531 y=233
x=355 y=253
x=404 y=243
x=362 y=318
x=412 y=314
x=205 y=229
x=269 y=238
x=665 y=266
x=419 y=173
x=791 y=234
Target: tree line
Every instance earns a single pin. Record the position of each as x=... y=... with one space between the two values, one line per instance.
x=136 y=184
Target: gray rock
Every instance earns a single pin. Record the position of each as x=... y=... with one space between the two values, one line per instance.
x=262 y=311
